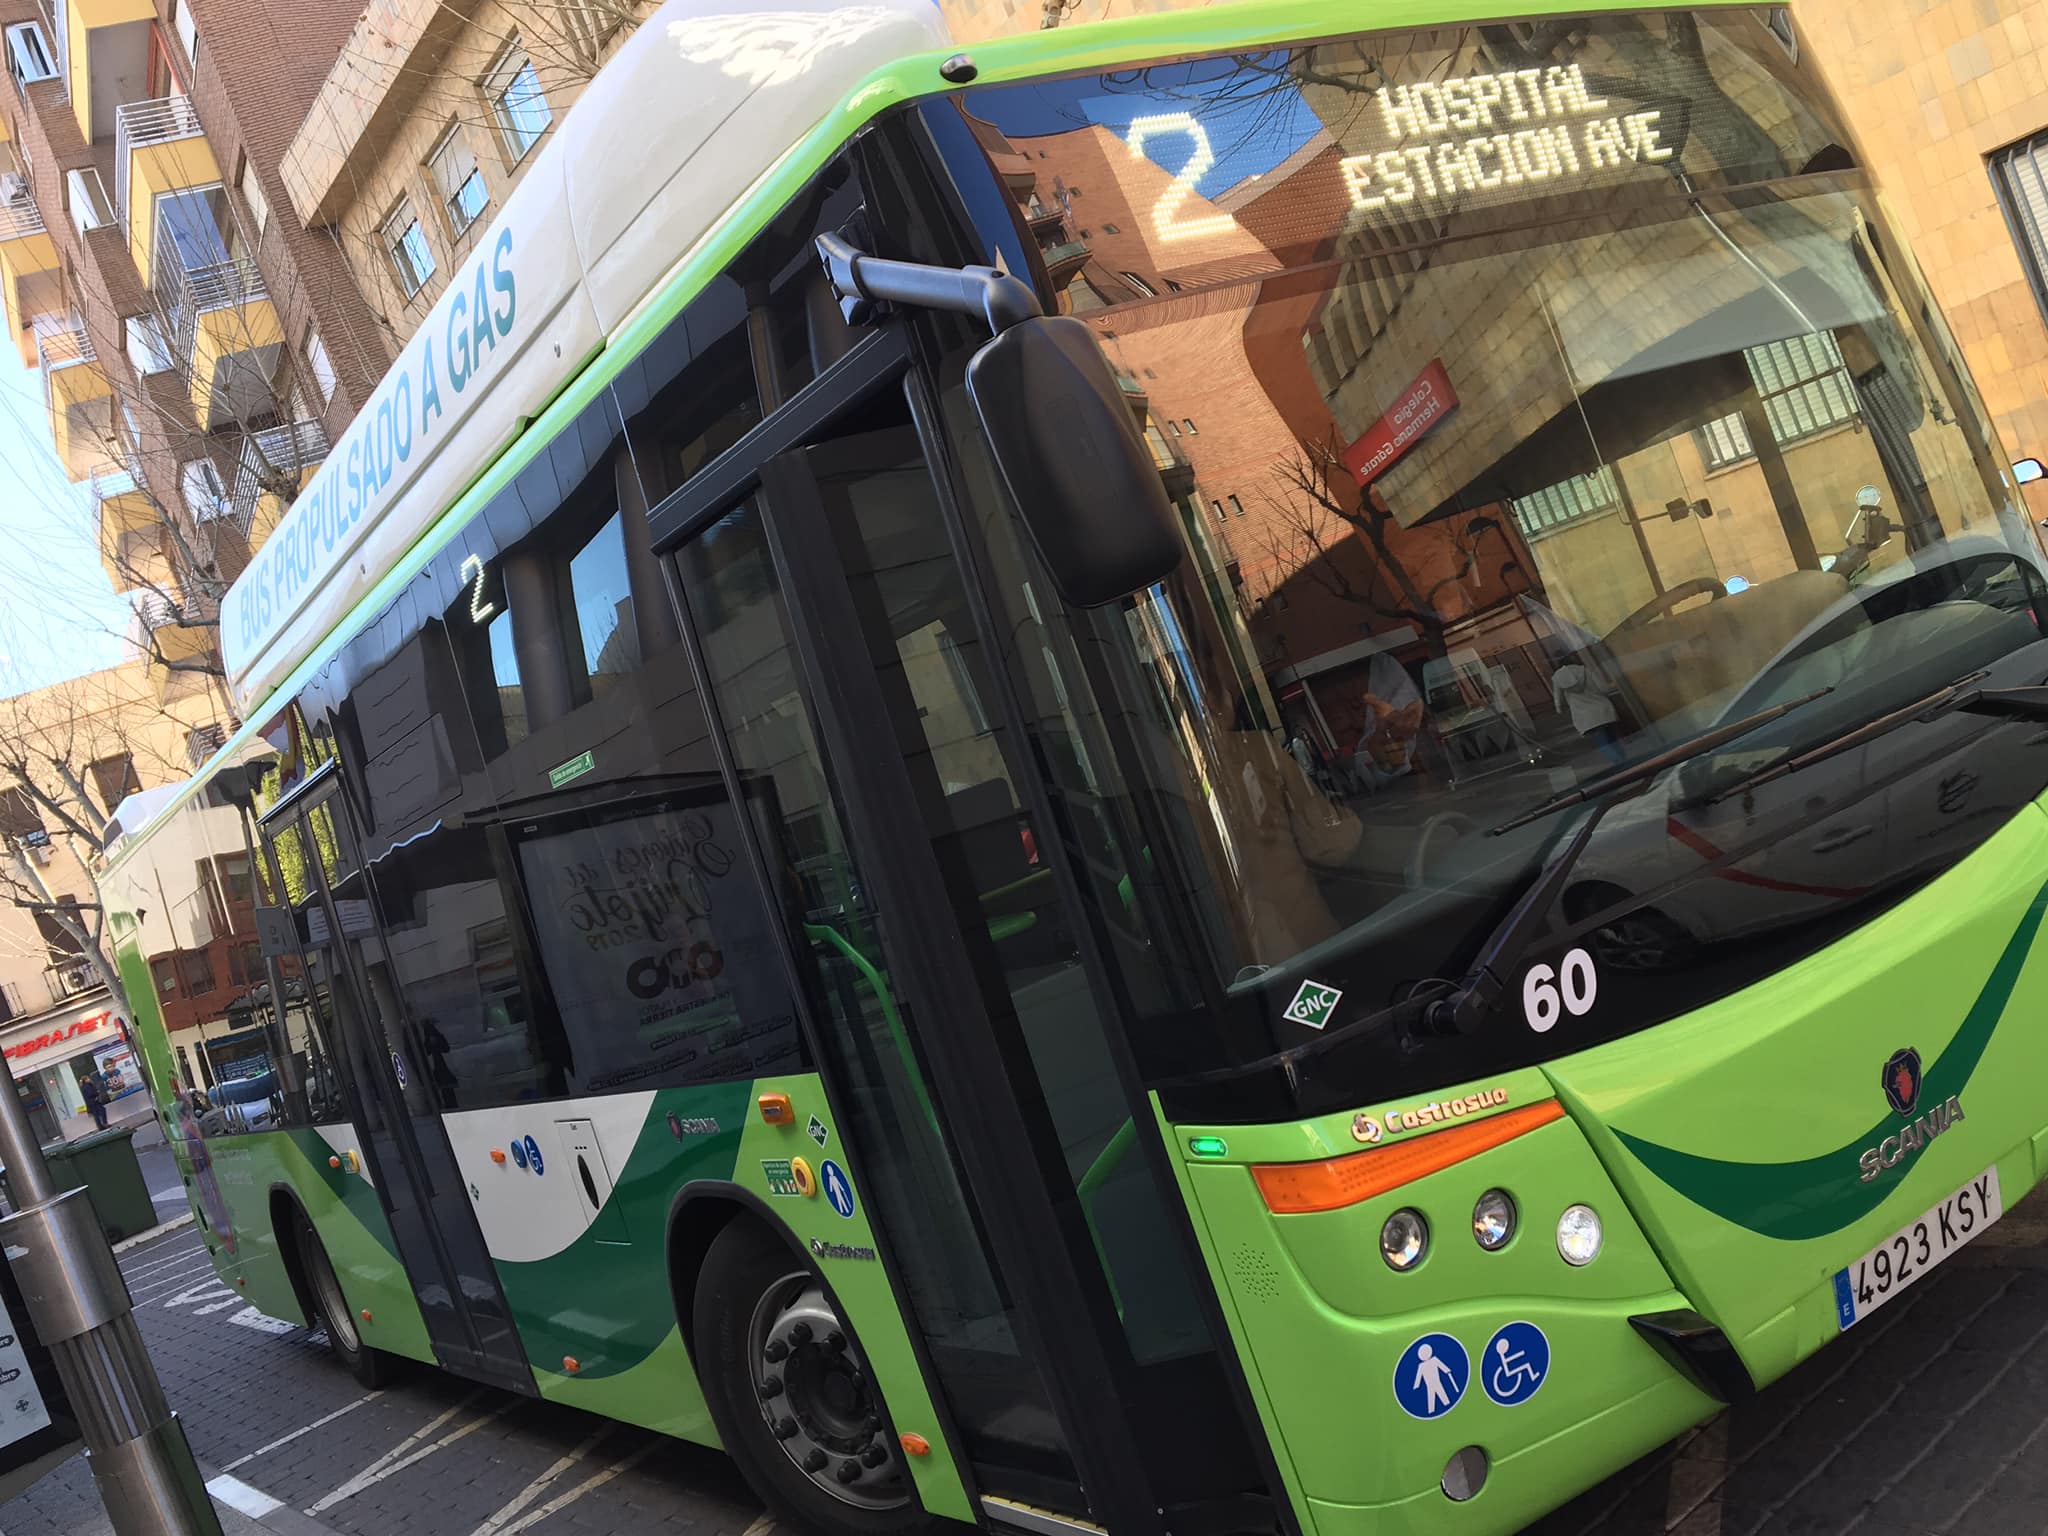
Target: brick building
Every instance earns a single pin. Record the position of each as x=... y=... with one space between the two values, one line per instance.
x=427 y=119
x=198 y=354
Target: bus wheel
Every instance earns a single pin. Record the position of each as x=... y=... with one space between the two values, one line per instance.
x=368 y=1366
x=791 y=1394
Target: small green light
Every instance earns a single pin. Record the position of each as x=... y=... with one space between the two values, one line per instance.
x=1208 y=1146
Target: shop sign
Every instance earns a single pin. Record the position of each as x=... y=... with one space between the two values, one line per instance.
x=20 y=1051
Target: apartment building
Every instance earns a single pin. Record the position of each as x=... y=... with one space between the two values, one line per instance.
x=197 y=353
x=427 y=120
x=114 y=737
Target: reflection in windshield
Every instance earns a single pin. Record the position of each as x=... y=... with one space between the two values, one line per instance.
x=1534 y=398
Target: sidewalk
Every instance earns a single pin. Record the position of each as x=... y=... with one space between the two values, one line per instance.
x=243 y=1510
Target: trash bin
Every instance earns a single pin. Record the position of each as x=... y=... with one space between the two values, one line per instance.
x=105 y=1164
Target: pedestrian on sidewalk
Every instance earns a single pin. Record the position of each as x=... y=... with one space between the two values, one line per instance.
x=95 y=1098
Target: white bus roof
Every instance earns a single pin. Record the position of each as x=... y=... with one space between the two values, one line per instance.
x=698 y=106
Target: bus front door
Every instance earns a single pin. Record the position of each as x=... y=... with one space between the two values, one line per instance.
x=964 y=1041
x=314 y=853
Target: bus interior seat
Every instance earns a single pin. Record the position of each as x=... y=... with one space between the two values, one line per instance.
x=1717 y=647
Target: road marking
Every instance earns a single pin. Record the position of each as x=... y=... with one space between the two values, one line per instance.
x=199 y=1290
x=400 y=1457
x=236 y=1494
x=163 y=1285
x=234 y=1297
x=562 y=1501
x=540 y=1485
x=153 y=1233
x=163 y=1261
x=764 y=1525
x=249 y=1317
x=304 y=1429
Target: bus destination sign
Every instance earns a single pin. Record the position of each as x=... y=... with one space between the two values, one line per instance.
x=1479 y=133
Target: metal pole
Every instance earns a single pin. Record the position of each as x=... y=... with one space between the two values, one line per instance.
x=78 y=1306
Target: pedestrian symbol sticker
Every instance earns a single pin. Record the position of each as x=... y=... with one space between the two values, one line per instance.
x=1431 y=1376
x=1517 y=1359
x=398 y=1068
x=838 y=1188
x=818 y=1132
x=1313 y=1004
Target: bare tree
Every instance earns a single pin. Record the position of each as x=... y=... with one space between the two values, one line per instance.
x=1321 y=507
x=67 y=756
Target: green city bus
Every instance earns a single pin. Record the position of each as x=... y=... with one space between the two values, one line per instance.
x=1211 y=774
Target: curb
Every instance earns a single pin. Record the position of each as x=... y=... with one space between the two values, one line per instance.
x=254 y=1510
x=153 y=1233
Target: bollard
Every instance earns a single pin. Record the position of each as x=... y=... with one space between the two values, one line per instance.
x=78 y=1305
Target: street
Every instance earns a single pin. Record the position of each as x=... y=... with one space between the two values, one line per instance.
x=1922 y=1421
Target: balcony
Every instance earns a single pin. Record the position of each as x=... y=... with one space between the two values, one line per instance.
x=225 y=331
x=103 y=57
x=177 y=654
x=274 y=461
x=1063 y=260
x=159 y=147
x=134 y=545
x=31 y=282
x=76 y=392
x=70 y=977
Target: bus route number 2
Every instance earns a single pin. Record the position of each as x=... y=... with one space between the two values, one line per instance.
x=1548 y=993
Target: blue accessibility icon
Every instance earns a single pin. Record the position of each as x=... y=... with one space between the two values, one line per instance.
x=1516 y=1361
x=838 y=1188
x=1431 y=1376
x=533 y=1156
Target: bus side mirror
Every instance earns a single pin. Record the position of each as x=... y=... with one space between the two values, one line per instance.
x=1071 y=455
x=2027 y=471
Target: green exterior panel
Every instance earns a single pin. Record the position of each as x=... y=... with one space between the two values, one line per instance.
x=859 y=1283
x=1327 y=1320
x=1735 y=1132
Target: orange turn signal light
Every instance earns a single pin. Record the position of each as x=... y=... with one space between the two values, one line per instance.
x=914 y=1444
x=497 y=1154
x=334 y=1162
x=571 y=1364
x=1296 y=1188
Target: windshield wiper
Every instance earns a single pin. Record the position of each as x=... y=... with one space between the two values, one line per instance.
x=1650 y=767
x=1473 y=998
x=1958 y=697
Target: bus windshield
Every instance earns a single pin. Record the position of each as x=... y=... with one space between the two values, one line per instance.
x=1536 y=397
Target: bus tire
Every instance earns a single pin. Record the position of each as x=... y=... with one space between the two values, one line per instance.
x=330 y=1308
x=790 y=1393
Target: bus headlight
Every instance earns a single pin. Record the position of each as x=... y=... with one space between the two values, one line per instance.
x=1578 y=1235
x=1493 y=1220
x=1404 y=1239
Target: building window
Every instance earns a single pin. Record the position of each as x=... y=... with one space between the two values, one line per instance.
x=1221 y=515
x=457 y=179
x=517 y=100
x=1140 y=284
x=1111 y=229
x=1805 y=389
x=148 y=349
x=320 y=366
x=1566 y=502
x=1173 y=426
x=86 y=197
x=411 y=257
x=2020 y=173
x=115 y=779
x=1236 y=506
x=186 y=27
x=197 y=968
x=1188 y=427
x=252 y=194
x=28 y=54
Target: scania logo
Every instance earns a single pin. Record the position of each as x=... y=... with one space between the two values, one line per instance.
x=1902 y=1081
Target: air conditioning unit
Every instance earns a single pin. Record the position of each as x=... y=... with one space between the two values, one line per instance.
x=41 y=852
x=78 y=977
x=13 y=187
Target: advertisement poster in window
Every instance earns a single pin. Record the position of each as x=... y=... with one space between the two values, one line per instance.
x=653 y=935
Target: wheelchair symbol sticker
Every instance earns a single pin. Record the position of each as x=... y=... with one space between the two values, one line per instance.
x=1515 y=1361
x=1431 y=1375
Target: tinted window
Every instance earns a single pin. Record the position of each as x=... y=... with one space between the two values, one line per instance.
x=557 y=871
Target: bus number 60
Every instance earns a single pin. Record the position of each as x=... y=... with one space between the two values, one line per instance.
x=1547 y=994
